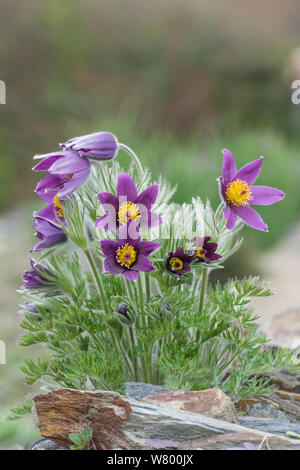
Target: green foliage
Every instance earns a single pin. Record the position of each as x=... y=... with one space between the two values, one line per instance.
x=173 y=331
x=81 y=440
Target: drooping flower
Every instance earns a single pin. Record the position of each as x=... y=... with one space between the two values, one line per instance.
x=49 y=232
x=35 y=277
x=68 y=170
x=54 y=211
x=238 y=193
x=179 y=262
x=128 y=205
x=205 y=251
x=129 y=255
x=101 y=146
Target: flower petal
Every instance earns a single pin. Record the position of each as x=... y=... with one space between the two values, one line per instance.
x=265 y=195
x=129 y=232
x=70 y=162
x=250 y=171
x=111 y=266
x=47 y=162
x=109 y=247
x=250 y=217
x=229 y=165
x=148 y=197
x=130 y=275
x=143 y=264
x=146 y=248
x=74 y=183
x=126 y=187
x=231 y=217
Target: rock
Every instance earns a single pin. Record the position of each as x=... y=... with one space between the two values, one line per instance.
x=294 y=397
x=285 y=380
x=270 y=425
x=269 y=406
x=240 y=439
x=284 y=328
x=129 y=424
x=212 y=402
x=45 y=444
x=141 y=389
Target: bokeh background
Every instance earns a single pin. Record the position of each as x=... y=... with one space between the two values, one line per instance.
x=178 y=81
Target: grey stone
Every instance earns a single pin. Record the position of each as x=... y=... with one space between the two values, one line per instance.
x=270 y=425
x=142 y=390
x=45 y=444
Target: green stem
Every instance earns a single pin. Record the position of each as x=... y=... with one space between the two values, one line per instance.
x=101 y=291
x=134 y=158
x=202 y=296
x=98 y=281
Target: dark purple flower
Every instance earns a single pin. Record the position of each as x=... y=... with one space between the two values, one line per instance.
x=129 y=254
x=179 y=263
x=49 y=232
x=34 y=278
x=67 y=171
x=128 y=205
x=205 y=251
x=238 y=193
x=99 y=146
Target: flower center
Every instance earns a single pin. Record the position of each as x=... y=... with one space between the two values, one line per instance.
x=126 y=255
x=176 y=264
x=58 y=207
x=200 y=253
x=128 y=210
x=238 y=193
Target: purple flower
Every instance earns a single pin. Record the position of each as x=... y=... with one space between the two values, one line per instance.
x=34 y=278
x=205 y=251
x=53 y=212
x=48 y=231
x=67 y=171
x=99 y=146
x=129 y=254
x=238 y=193
x=128 y=205
x=179 y=263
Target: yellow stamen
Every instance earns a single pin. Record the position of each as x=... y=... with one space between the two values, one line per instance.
x=238 y=193
x=128 y=210
x=176 y=264
x=58 y=207
x=200 y=252
x=126 y=255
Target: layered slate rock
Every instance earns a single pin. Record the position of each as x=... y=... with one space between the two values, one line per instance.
x=212 y=402
x=129 y=424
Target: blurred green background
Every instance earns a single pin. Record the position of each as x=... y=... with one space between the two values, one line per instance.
x=177 y=81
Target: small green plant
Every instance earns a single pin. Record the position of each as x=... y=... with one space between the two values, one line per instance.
x=120 y=288
x=81 y=440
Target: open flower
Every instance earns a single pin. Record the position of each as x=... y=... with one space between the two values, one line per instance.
x=205 y=251
x=238 y=193
x=129 y=254
x=34 y=278
x=67 y=171
x=179 y=262
x=128 y=205
x=99 y=146
x=49 y=232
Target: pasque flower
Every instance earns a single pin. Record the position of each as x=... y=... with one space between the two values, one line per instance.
x=205 y=251
x=68 y=170
x=47 y=230
x=129 y=255
x=53 y=212
x=128 y=205
x=238 y=193
x=34 y=278
x=99 y=146
x=179 y=262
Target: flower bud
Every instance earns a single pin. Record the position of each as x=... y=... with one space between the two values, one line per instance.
x=101 y=146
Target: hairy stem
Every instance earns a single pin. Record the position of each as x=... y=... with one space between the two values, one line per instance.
x=134 y=158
